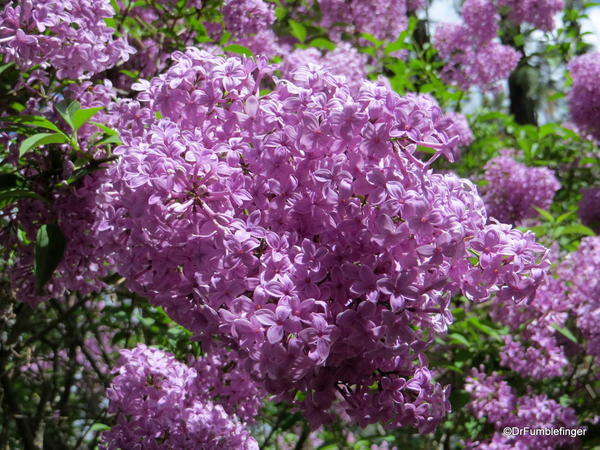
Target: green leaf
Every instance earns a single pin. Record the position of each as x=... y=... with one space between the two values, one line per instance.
x=372 y=39
x=99 y=427
x=82 y=116
x=107 y=130
x=49 y=249
x=35 y=121
x=549 y=128
x=565 y=332
x=323 y=43
x=239 y=49
x=280 y=12
x=67 y=110
x=11 y=195
x=577 y=229
x=40 y=139
x=110 y=140
x=298 y=30
x=459 y=339
x=4 y=67
x=565 y=216
x=545 y=214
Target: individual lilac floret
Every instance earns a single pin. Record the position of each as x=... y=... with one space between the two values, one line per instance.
x=70 y=36
x=155 y=398
x=513 y=189
x=589 y=208
x=584 y=98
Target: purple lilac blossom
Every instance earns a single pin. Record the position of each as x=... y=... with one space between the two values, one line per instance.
x=581 y=270
x=589 y=208
x=513 y=189
x=384 y=19
x=301 y=228
x=157 y=404
x=345 y=61
x=539 y=13
x=70 y=36
x=494 y=399
x=473 y=56
x=532 y=348
x=584 y=98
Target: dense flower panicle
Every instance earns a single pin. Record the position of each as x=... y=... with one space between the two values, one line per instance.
x=470 y=62
x=71 y=36
x=539 y=13
x=345 y=60
x=513 y=189
x=581 y=270
x=221 y=376
x=533 y=348
x=156 y=399
x=492 y=398
x=301 y=228
x=589 y=208
x=384 y=19
x=584 y=97
x=472 y=54
x=244 y=18
x=481 y=19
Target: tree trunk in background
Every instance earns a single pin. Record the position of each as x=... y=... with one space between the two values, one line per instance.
x=522 y=104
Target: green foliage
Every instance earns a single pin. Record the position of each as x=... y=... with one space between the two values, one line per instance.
x=49 y=248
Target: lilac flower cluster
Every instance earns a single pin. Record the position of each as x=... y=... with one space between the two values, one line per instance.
x=533 y=347
x=384 y=19
x=301 y=228
x=513 y=189
x=584 y=98
x=473 y=57
x=581 y=270
x=155 y=397
x=250 y=23
x=71 y=36
x=247 y=17
x=345 y=61
x=221 y=375
x=589 y=208
x=494 y=399
x=539 y=13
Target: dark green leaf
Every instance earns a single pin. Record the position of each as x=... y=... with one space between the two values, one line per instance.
x=40 y=139
x=4 y=67
x=49 y=249
x=11 y=195
x=565 y=332
x=82 y=116
x=36 y=121
x=67 y=110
